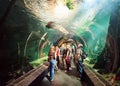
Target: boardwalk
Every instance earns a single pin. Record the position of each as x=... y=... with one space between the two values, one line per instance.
x=62 y=78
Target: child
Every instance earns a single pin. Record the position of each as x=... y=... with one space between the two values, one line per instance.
x=67 y=62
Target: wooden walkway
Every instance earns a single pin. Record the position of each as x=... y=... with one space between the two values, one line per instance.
x=28 y=78
x=36 y=77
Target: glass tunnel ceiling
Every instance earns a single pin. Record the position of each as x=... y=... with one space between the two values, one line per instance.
x=89 y=20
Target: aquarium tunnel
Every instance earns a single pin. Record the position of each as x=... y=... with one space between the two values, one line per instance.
x=28 y=28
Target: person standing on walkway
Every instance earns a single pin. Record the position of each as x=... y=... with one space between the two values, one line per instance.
x=64 y=57
x=68 y=60
x=57 y=55
x=78 y=59
x=52 y=63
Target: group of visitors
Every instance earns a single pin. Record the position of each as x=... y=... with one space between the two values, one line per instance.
x=60 y=58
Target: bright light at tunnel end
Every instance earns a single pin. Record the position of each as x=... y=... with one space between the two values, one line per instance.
x=61 y=10
x=89 y=1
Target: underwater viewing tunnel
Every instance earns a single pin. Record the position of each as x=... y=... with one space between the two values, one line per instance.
x=29 y=28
